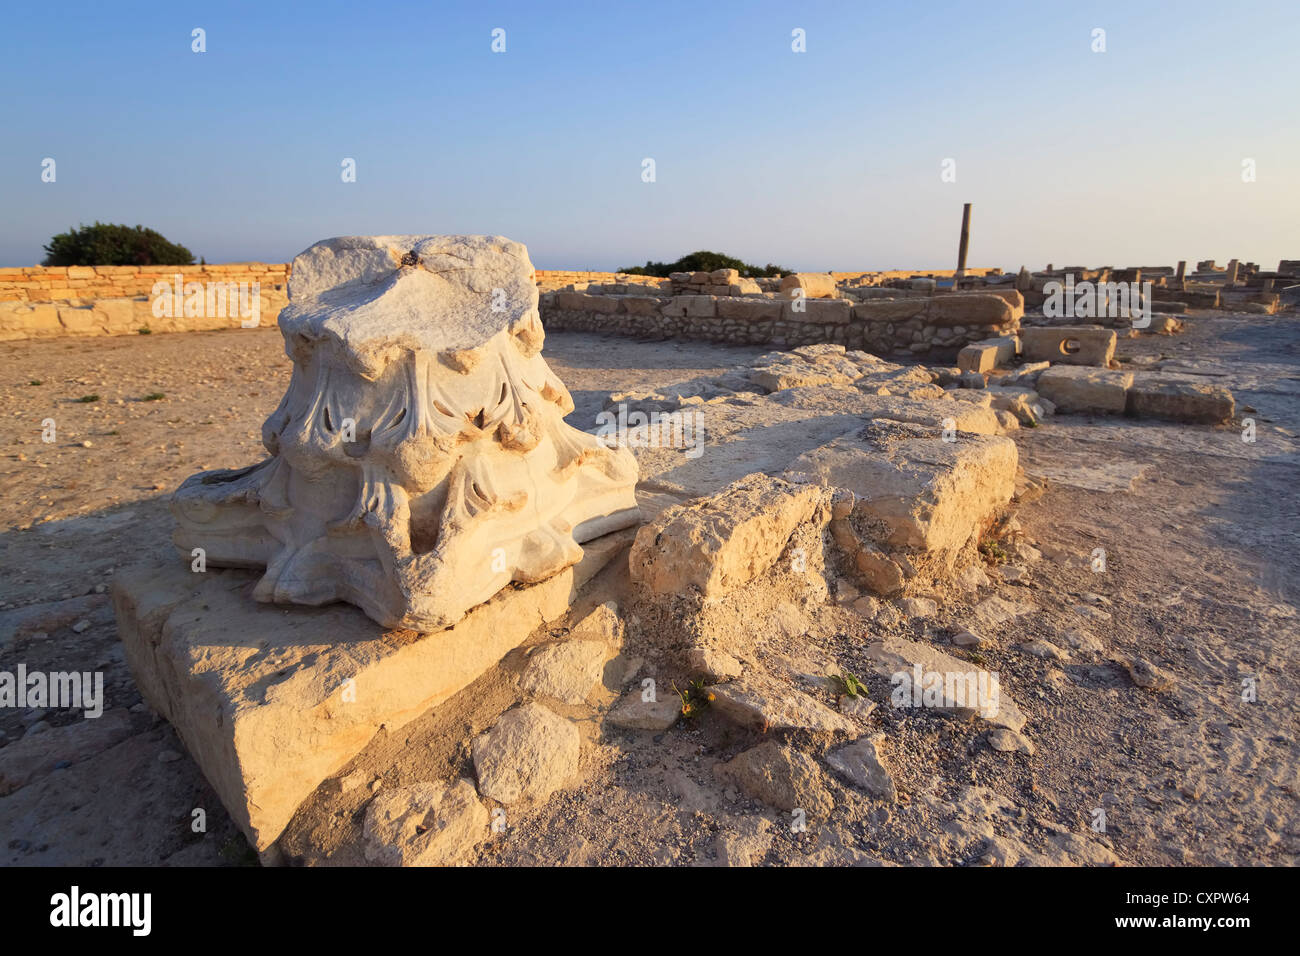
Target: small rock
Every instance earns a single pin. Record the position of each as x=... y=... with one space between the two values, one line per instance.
x=566 y=670
x=81 y=626
x=528 y=755
x=1147 y=676
x=1008 y=741
x=425 y=824
x=867 y=606
x=1011 y=574
x=780 y=777
x=919 y=607
x=859 y=706
x=746 y=847
x=634 y=712
x=764 y=703
x=39 y=727
x=1092 y=613
x=1043 y=649
x=859 y=763
x=713 y=665
x=86 y=444
x=353 y=780
x=1026 y=552
x=998 y=610
x=168 y=756
x=971 y=578
x=967 y=638
x=602 y=624
x=1080 y=640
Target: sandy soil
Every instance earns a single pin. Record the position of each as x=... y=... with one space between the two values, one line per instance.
x=1200 y=531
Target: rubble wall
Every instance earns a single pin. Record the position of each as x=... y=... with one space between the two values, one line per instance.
x=47 y=301
x=920 y=326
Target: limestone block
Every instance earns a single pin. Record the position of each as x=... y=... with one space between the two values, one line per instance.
x=1179 y=401
x=1012 y=297
x=1079 y=389
x=750 y=310
x=978 y=358
x=419 y=460
x=885 y=310
x=814 y=285
x=972 y=309
x=914 y=490
x=819 y=311
x=695 y=306
x=642 y=305
x=271 y=702
x=1068 y=345
x=722 y=542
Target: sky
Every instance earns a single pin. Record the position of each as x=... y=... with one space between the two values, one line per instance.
x=828 y=159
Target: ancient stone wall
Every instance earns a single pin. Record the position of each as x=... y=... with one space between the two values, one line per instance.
x=914 y=326
x=551 y=279
x=41 y=301
x=61 y=283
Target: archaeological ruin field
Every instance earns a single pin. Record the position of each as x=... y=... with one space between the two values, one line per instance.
x=871 y=570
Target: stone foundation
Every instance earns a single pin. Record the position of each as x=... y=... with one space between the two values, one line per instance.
x=934 y=326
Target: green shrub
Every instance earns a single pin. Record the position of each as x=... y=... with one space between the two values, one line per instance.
x=704 y=261
x=107 y=244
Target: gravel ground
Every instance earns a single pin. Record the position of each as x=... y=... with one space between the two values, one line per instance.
x=1200 y=535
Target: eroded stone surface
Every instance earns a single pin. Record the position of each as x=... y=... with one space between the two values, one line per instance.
x=419 y=458
x=270 y=704
x=425 y=824
x=527 y=755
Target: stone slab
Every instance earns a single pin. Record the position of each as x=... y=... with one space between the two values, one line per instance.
x=1075 y=389
x=270 y=701
x=1068 y=345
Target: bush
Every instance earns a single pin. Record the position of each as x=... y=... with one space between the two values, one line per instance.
x=106 y=244
x=704 y=261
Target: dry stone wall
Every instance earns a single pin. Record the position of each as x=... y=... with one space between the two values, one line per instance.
x=914 y=326
x=45 y=301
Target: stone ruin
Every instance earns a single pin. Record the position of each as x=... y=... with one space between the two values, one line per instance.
x=420 y=470
x=420 y=461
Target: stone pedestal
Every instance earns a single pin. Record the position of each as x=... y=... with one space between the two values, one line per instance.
x=271 y=701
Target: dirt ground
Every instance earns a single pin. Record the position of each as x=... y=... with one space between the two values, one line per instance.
x=1200 y=531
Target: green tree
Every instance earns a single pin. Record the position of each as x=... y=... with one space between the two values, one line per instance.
x=704 y=261
x=108 y=244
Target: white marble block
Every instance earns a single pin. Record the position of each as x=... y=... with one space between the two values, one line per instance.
x=419 y=459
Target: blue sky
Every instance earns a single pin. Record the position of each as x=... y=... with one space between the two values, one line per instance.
x=828 y=159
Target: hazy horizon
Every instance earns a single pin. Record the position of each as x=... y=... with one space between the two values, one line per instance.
x=825 y=160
